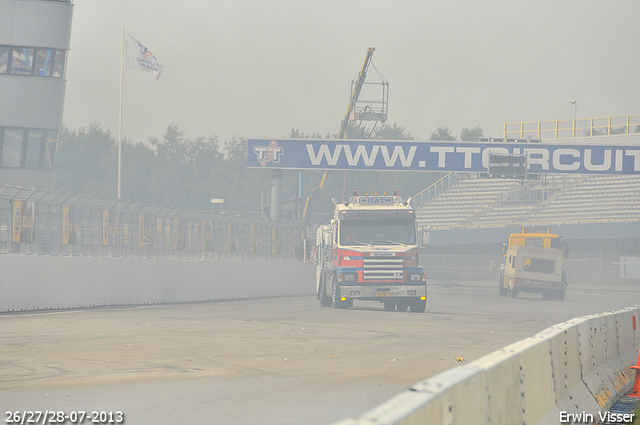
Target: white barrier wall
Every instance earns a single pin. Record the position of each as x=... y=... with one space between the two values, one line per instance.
x=579 y=367
x=32 y=282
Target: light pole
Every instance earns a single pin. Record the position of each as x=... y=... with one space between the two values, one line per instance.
x=575 y=115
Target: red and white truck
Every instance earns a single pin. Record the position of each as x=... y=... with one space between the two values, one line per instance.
x=369 y=252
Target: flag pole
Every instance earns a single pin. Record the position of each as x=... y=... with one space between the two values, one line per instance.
x=120 y=118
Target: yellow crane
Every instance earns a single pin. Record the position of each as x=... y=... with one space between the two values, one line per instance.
x=356 y=88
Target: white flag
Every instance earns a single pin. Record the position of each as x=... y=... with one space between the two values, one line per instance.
x=137 y=56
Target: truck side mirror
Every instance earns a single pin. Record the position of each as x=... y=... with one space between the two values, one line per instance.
x=327 y=238
x=326 y=255
x=505 y=246
x=426 y=235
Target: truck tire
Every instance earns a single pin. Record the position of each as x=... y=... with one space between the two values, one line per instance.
x=325 y=300
x=501 y=288
x=418 y=306
x=511 y=293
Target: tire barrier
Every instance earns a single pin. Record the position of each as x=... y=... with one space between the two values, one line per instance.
x=40 y=282
x=569 y=372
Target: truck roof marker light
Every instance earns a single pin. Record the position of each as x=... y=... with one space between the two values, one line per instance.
x=343 y=298
x=423 y=298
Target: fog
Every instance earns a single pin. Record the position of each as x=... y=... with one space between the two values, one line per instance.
x=257 y=69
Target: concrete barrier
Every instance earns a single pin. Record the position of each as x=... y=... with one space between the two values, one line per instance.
x=580 y=367
x=33 y=282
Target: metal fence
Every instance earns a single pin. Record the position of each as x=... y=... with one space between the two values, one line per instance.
x=436 y=188
x=50 y=223
x=630 y=267
x=577 y=127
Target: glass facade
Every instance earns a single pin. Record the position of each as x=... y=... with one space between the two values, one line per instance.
x=39 y=62
x=27 y=148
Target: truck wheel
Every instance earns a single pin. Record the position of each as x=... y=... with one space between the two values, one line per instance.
x=389 y=305
x=560 y=294
x=502 y=289
x=418 y=306
x=325 y=300
x=511 y=293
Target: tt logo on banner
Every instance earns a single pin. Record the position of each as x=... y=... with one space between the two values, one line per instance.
x=269 y=153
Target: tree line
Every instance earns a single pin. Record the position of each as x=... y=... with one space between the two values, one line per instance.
x=187 y=172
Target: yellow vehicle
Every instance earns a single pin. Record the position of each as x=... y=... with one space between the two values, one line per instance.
x=534 y=264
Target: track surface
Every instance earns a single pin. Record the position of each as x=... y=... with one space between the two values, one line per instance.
x=263 y=361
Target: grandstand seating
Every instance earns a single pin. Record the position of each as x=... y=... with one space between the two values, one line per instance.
x=482 y=202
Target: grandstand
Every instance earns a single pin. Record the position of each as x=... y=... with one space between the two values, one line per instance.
x=598 y=217
x=473 y=201
x=471 y=216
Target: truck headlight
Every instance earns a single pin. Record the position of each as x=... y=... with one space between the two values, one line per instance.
x=414 y=277
x=349 y=277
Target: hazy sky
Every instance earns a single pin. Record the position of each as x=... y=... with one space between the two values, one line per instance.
x=258 y=68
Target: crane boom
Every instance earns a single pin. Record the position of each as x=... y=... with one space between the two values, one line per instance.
x=355 y=94
x=317 y=192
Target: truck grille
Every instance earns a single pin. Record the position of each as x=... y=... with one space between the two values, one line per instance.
x=382 y=268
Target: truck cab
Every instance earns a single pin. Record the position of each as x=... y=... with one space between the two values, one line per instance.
x=369 y=252
x=534 y=264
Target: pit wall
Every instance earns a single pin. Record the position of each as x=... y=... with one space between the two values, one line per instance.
x=577 y=367
x=33 y=282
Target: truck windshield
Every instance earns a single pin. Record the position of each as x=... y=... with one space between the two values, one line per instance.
x=539 y=265
x=378 y=231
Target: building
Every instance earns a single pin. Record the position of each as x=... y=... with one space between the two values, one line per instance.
x=34 y=44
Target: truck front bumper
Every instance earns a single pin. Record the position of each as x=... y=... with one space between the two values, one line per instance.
x=382 y=292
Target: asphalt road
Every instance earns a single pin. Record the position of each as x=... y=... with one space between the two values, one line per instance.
x=263 y=361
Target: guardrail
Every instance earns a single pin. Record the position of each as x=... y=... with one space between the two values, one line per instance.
x=623 y=124
x=578 y=368
x=440 y=186
x=49 y=223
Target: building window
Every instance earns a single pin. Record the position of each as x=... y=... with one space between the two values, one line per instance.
x=12 y=147
x=32 y=61
x=22 y=61
x=35 y=141
x=58 y=64
x=27 y=148
x=4 y=57
x=49 y=154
